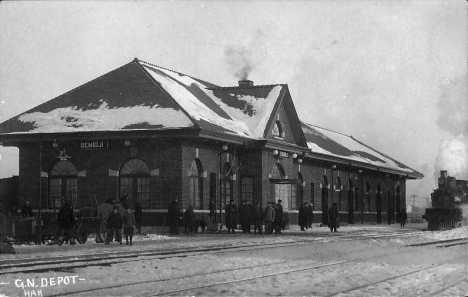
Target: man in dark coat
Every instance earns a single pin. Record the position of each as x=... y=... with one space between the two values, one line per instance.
x=26 y=210
x=389 y=215
x=258 y=217
x=279 y=217
x=231 y=216
x=333 y=217
x=212 y=211
x=402 y=217
x=303 y=216
x=189 y=218
x=245 y=216
x=114 y=224
x=138 y=216
x=173 y=216
x=310 y=215
x=269 y=216
x=66 y=224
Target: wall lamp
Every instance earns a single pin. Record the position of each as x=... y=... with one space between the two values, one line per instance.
x=294 y=155
x=55 y=144
x=275 y=152
x=127 y=142
x=333 y=167
x=359 y=171
x=225 y=147
x=299 y=161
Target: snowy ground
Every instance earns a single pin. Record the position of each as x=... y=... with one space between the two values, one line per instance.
x=321 y=282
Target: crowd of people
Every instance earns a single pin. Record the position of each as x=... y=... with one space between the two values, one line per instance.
x=246 y=215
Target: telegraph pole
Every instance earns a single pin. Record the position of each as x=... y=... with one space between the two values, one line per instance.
x=414 y=197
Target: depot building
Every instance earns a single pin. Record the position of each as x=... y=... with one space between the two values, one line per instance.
x=155 y=135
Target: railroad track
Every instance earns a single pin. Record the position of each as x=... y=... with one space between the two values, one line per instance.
x=80 y=261
x=287 y=268
x=61 y=263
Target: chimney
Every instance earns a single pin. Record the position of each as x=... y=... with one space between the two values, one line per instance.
x=245 y=83
x=443 y=173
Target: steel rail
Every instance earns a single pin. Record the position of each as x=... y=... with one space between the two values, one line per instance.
x=79 y=261
x=217 y=272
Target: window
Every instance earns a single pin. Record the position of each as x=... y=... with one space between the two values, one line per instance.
x=196 y=184
x=135 y=182
x=63 y=185
x=247 y=189
x=277 y=130
x=277 y=171
x=213 y=187
x=312 y=195
x=287 y=193
x=226 y=185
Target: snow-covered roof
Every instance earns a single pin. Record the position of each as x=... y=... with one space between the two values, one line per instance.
x=333 y=144
x=143 y=96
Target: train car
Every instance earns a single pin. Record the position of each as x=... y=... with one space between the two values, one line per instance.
x=447 y=201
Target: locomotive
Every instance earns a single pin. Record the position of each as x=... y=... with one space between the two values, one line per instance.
x=447 y=203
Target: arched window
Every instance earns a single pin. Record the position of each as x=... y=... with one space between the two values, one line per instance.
x=196 y=184
x=277 y=171
x=277 y=129
x=63 y=184
x=135 y=182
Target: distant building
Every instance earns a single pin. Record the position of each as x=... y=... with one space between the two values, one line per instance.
x=155 y=134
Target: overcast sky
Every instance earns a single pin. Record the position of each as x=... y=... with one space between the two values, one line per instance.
x=393 y=74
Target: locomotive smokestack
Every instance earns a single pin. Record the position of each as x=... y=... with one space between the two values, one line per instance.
x=443 y=173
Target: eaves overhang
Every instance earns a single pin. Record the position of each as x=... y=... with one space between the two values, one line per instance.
x=15 y=138
x=359 y=165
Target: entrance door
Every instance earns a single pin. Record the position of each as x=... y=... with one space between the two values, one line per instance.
x=135 y=182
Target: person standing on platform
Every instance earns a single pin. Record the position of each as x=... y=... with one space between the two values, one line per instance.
x=173 y=216
x=66 y=224
x=258 y=217
x=138 y=216
x=303 y=217
x=333 y=217
x=269 y=218
x=26 y=210
x=189 y=218
x=389 y=216
x=279 y=217
x=402 y=217
x=114 y=224
x=212 y=211
x=231 y=216
x=129 y=225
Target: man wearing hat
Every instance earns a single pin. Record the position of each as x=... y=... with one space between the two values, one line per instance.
x=114 y=223
x=231 y=216
x=26 y=210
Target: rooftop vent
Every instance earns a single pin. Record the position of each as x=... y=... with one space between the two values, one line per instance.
x=245 y=83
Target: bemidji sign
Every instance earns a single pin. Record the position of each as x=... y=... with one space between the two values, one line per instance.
x=93 y=145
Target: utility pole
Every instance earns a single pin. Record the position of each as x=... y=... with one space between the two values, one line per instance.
x=427 y=202
x=414 y=197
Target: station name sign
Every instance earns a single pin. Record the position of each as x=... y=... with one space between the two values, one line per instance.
x=93 y=145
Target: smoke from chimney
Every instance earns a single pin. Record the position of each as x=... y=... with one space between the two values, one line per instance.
x=240 y=61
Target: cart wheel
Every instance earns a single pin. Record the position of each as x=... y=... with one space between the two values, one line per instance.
x=82 y=234
x=103 y=231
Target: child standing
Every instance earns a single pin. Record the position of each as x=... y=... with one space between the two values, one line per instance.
x=129 y=224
